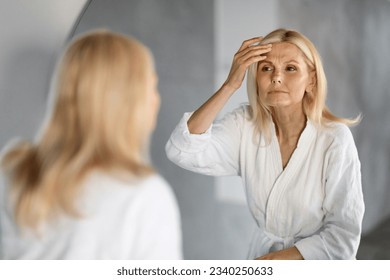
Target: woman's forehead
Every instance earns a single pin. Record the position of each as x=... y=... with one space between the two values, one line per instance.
x=284 y=51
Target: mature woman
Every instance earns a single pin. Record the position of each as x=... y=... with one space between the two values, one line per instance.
x=298 y=162
x=85 y=189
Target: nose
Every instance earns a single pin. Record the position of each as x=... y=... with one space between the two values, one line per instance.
x=276 y=79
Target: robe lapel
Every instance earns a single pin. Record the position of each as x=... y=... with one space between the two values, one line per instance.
x=284 y=177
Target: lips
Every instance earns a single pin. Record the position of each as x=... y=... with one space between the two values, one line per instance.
x=277 y=92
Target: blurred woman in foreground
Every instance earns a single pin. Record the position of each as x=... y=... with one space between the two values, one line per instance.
x=85 y=189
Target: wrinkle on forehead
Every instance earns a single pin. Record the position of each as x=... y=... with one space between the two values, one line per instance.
x=285 y=52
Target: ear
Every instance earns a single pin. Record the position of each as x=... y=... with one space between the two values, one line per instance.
x=312 y=81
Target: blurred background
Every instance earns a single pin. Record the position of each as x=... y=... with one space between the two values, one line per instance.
x=193 y=43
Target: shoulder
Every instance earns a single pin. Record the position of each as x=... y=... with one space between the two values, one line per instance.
x=110 y=192
x=337 y=134
x=338 y=141
x=135 y=212
x=156 y=187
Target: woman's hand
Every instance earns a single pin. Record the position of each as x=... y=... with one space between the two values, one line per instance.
x=248 y=53
x=245 y=56
x=287 y=254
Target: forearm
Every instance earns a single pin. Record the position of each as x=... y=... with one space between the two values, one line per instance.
x=204 y=116
x=287 y=254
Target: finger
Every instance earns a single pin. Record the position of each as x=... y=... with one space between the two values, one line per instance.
x=253 y=59
x=262 y=48
x=240 y=58
x=245 y=64
x=249 y=42
x=252 y=53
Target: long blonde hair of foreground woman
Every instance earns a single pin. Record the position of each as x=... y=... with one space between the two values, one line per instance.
x=96 y=122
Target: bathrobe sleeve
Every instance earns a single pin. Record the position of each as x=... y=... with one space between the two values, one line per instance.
x=343 y=203
x=215 y=152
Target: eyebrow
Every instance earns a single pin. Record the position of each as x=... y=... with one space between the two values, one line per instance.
x=265 y=61
x=290 y=61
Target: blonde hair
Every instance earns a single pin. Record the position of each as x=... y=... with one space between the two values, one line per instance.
x=95 y=123
x=314 y=105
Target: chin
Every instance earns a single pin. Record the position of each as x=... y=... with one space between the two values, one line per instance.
x=278 y=103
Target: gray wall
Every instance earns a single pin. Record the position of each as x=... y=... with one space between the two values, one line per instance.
x=32 y=34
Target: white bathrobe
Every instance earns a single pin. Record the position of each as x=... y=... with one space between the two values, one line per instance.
x=315 y=203
x=121 y=219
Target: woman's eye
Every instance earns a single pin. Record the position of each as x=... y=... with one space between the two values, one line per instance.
x=266 y=68
x=291 y=68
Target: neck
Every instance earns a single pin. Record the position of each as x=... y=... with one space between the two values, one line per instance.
x=289 y=123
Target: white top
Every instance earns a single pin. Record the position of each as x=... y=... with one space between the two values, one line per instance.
x=122 y=219
x=315 y=203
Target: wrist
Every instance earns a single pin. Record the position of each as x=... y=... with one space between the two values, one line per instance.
x=228 y=89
